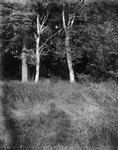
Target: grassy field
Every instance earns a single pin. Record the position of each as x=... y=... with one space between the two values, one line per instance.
x=58 y=116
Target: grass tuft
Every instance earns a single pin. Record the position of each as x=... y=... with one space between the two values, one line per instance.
x=61 y=115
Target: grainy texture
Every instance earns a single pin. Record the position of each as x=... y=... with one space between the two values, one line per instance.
x=61 y=116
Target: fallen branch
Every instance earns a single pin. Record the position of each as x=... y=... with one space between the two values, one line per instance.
x=103 y=71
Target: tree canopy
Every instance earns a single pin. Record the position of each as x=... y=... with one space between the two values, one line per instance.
x=90 y=25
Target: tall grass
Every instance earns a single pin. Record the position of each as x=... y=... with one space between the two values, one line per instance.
x=61 y=116
x=5 y=138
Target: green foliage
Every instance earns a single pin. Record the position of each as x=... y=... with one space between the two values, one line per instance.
x=64 y=116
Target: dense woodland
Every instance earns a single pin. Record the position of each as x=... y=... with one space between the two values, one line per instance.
x=67 y=39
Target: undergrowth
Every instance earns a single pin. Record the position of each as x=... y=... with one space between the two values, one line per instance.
x=60 y=115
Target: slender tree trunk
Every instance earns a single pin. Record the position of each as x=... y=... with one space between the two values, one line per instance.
x=24 y=66
x=69 y=58
x=67 y=45
x=37 y=60
x=37 y=51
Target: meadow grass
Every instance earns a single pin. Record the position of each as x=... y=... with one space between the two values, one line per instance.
x=59 y=116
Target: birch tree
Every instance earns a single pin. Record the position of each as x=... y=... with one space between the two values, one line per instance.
x=69 y=14
x=41 y=28
x=67 y=26
x=42 y=33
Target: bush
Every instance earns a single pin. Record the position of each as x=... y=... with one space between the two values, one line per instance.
x=67 y=116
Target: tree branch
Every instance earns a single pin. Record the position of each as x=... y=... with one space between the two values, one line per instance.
x=103 y=71
x=63 y=18
x=73 y=18
x=45 y=19
x=49 y=39
x=38 y=25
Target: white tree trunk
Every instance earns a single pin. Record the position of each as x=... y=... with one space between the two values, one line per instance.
x=67 y=45
x=24 y=66
x=69 y=59
x=37 y=50
x=37 y=60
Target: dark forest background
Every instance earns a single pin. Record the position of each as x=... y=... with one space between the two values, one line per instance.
x=93 y=42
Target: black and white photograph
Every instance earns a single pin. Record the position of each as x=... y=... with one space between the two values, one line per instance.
x=58 y=74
